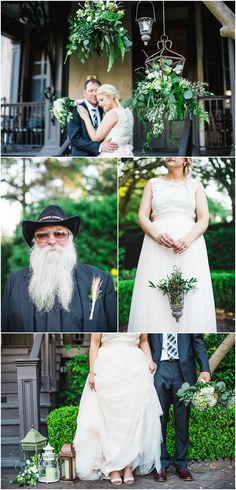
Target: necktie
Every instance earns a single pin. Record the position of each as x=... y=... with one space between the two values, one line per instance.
x=171 y=346
x=95 y=119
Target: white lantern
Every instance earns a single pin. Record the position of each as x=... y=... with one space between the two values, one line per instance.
x=48 y=466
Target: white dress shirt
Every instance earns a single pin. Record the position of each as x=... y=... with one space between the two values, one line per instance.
x=164 y=355
x=90 y=108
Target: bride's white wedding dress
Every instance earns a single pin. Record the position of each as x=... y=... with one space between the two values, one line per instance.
x=173 y=209
x=119 y=423
x=121 y=133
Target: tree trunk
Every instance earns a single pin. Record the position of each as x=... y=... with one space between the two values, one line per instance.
x=221 y=351
x=224 y=15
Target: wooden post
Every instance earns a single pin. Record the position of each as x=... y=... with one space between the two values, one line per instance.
x=28 y=394
x=224 y=15
x=221 y=351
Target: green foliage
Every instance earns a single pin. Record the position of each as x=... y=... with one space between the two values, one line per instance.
x=226 y=369
x=223 y=288
x=211 y=434
x=164 y=94
x=61 y=109
x=61 y=424
x=220 y=242
x=205 y=395
x=29 y=475
x=78 y=369
x=97 y=27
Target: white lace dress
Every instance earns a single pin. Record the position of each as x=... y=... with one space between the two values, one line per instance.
x=121 y=133
x=119 y=423
x=173 y=207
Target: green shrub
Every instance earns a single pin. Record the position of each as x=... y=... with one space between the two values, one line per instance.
x=220 y=240
x=78 y=369
x=223 y=287
x=211 y=434
x=61 y=424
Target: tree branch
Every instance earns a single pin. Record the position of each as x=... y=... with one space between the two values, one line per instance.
x=224 y=15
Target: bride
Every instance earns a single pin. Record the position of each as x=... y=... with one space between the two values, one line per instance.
x=117 y=124
x=173 y=215
x=118 y=425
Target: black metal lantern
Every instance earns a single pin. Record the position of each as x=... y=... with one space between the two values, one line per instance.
x=145 y=24
x=67 y=462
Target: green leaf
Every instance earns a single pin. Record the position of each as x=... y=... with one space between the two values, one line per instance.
x=188 y=94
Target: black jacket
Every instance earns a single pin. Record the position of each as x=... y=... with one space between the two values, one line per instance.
x=80 y=141
x=18 y=312
x=191 y=349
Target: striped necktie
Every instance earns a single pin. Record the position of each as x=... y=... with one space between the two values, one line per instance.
x=95 y=119
x=171 y=346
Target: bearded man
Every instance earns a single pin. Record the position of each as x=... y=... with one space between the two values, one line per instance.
x=54 y=294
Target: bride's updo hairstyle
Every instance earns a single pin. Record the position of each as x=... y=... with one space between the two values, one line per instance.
x=187 y=166
x=111 y=91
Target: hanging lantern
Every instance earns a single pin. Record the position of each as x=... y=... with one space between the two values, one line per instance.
x=48 y=466
x=145 y=24
x=67 y=462
x=33 y=441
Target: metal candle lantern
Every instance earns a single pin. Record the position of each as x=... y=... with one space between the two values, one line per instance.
x=67 y=462
x=145 y=24
x=33 y=441
x=48 y=467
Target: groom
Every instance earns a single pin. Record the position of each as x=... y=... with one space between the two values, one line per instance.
x=80 y=141
x=175 y=356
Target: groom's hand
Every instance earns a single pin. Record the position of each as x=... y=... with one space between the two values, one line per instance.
x=108 y=146
x=204 y=375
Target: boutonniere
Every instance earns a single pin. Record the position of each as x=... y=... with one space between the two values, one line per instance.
x=95 y=293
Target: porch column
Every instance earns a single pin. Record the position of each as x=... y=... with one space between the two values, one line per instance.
x=28 y=371
x=232 y=83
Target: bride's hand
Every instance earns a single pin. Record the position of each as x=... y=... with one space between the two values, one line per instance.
x=82 y=112
x=181 y=245
x=165 y=240
x=91 y=381
x=152 y=366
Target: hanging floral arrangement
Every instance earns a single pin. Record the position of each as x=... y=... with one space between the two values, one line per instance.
x=97 y=28
x=163 y=94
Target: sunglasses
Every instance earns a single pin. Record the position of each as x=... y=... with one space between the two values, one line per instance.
x=44 y=236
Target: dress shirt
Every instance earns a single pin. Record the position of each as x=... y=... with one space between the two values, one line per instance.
x=164 y=355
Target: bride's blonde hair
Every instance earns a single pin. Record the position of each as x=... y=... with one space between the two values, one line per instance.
x=187 y=166
x=111 y=91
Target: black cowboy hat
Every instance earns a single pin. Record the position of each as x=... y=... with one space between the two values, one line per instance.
x=51 y=215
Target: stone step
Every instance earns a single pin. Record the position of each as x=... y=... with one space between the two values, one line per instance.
x=11 y=411
x=15 y=351
x=10 y=427
x=9 y=387
x=8 y=377
x=10 y=447
x=11 y=462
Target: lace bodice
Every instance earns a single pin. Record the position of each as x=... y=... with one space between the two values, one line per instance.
x=174 y=197
x=122 y=132
x=120 y=338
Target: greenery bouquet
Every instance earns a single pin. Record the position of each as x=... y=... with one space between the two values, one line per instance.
x=164 y=94
x=29 y=475
x=176 y=287
x=205 y=395
x=61 y=110
x=97 y=27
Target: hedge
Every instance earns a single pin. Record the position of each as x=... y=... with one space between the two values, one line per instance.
x=220 y=242
x=223 y=286
x=211 y=433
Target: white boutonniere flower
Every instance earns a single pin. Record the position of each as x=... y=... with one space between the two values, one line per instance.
x=95 y=293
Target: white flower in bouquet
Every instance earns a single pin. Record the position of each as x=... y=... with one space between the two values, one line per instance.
x=205 y=398
x=61 y=110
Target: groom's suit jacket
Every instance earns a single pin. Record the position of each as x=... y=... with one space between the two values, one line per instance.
x=80 y=141
x=19 y=315
x=191 y=349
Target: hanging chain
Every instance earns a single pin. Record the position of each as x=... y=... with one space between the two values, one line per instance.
x=163 y=17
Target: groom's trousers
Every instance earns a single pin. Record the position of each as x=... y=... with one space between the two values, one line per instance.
x=168 y=379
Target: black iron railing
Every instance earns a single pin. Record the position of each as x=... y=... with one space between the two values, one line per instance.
x=22 y=125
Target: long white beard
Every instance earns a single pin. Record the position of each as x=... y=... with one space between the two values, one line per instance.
x=52 y=276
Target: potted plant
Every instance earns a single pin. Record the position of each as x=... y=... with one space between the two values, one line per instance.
x=176 y=287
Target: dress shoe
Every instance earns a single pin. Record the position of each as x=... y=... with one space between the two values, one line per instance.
x=184 y=474
x=162 y=476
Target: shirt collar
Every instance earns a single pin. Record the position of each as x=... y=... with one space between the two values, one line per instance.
x=90 y=106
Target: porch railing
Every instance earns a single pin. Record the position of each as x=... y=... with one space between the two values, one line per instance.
x=22 y=125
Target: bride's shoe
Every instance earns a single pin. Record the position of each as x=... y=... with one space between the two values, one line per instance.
x=128 y=480
x=117 y=481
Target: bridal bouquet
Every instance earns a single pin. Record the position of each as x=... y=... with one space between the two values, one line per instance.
x=61 y=110
x=176 y=287
x=164 y=94
x=205 y=395
x=97 y=27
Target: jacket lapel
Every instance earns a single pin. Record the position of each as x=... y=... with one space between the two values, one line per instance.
x=84 y=283
x=26 y=305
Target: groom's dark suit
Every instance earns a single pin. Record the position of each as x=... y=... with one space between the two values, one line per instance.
x=168 y=379
x=80 y=141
